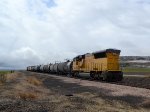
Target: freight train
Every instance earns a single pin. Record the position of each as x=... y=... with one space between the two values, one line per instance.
x=102 y=64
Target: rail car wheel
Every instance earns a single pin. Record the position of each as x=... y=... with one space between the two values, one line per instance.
x=92 y=75
x=76 y=74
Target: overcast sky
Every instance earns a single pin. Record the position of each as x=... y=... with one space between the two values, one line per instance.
x=43 y=31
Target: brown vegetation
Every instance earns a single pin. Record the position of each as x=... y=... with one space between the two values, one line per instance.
x=34 y=81
x=3 y=78
x=146 y=104
x=7 y=76
x=12 y=76
x=27 y=96
x=35 y=92
x=30 y=87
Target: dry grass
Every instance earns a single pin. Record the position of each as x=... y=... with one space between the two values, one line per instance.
x=87 y=102
x=12 y=76
x=3 y=78
x=27 y=96
x=28 y=88
x=31 y=88
x=34 y=81
x=146 y=104
x=7 y=76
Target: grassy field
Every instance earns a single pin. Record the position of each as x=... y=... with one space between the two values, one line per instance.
x=4 y=72
x=140 y=70
x=3 y=76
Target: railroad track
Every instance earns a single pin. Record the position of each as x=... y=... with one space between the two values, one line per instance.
x=140 y=82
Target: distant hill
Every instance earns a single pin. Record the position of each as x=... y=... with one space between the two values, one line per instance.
x=135 y=61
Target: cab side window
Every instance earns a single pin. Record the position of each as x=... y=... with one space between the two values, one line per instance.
x=100 y=55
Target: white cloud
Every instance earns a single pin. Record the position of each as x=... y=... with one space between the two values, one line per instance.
x=48 y=31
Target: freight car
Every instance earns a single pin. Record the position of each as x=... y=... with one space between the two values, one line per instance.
x=65 y=68
x=102 y=64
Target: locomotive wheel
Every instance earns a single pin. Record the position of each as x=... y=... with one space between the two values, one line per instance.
x=120 y=76
x=107 y=76
x=69 y=75
x=99 y=76
x=72 y=74
x=104 y=76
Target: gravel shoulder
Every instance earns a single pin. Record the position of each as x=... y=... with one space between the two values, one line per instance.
x=29 y=92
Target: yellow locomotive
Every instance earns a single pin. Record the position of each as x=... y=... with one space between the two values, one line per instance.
x=102 y=64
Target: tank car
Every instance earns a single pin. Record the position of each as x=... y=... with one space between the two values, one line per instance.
x=64 y=67
x=41 y=68
x=33 y=68
x=55 y=68
x=46 y=68
x=28 y=68
x=61 y=68
x=51 y=68
x=38 y=68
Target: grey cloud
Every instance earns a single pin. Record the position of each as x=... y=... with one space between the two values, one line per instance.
x=33 y=33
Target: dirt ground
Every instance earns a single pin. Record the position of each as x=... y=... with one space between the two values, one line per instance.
x=136 y=81
x=37 y=92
